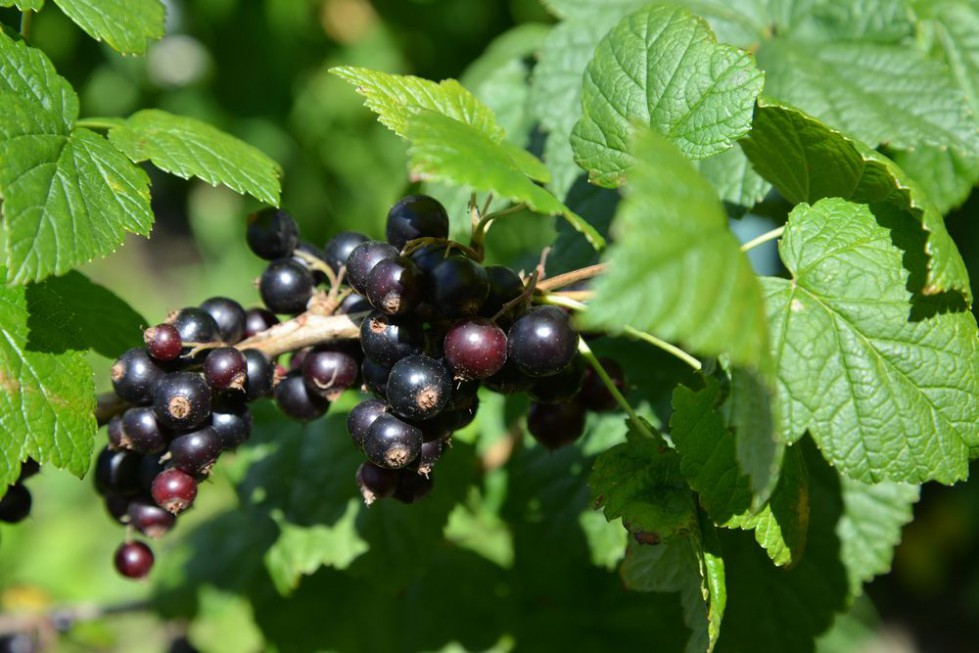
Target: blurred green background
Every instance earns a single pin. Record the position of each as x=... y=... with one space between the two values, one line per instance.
x=257 y=69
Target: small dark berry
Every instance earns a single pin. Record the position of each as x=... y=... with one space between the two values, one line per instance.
x=376 y=482
x=182 y=401
x=174 y=490
x=196 y=326
x=163 y=342
x=259 y=374
x=286 y=286
x=556 y=425
x=363 y=259
x=293 y=399
x=458 y=286
x=225 y=368
x=392 y=443
x=149 y=519
x=232 y=421
x=419 y=387
x=272 y=233
x=394 y=286
x=361 y=417
x=504 y=287
x=416 y=216
x=142 y=432
x=386 y=339
x=258 y=320
x=375 y=377
x=15 y=505
x=337 y=249
x=229 y=316
x=413 y=486
x=542 y=341
x=562 y=386
x=135 y=375
x=134 y=560
x=328 y=372
x=595 y=396
x=475 y=349
x=117 y=472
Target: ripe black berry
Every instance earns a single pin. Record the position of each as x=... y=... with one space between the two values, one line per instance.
x=419 y=387
x=376 y=482
x=458 y=286
x=163 y=342
x=413 y=486
x=259 y=374
x=475 y=349
x=354 y=303
x=225 y=368
x=386 y=339
x=134 y=559
x=594 y=395
x=394 y=286
x=361 y=417
x=504 y=286
x=28 y=468
x=195 y=452
x=542 y=341
x=232 y=421
x=509 y=380
x=430 y=454
x=556 y=425
x=229 y=316
x=416 y=216
x=196 y=326
x=562 y=386
x=117 y=472
x=117 y=505
x=286 y=286
x=362 y=260
x=296 y=401
x=392 y=443
x=328 y=372
x=258 y=320
x=182 y=400
x=148 y=518
x=337 y=249
x=149 y=468
x=272 y=234
x=141 y=432
x=15 y=505
x=375 y=377
x=174 y=490
x=135 y=375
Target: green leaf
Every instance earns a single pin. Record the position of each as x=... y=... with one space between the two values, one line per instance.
x=188 y=147
x=301 y=551
x=23 y=5
x=68 y=301
x=397 y=98
x=733 y=178
x=870 y=528
x=640 y=481
x=685 y=565
x=878 y=93
x=750 y=410
x=47 y=401
x=708 y=458
x=555 y=91
x=662 y=67
x=444 y=149
x=676 y=270
x=807 y=161
x=126 y=25
x=772 y=609
x=886 y=391
x=946 y=176
x=68 y=196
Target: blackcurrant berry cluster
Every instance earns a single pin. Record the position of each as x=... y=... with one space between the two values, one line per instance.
x=15 y=505
x=427 y=326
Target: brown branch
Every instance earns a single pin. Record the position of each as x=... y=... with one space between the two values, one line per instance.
x=569 y=278
x=304 y=330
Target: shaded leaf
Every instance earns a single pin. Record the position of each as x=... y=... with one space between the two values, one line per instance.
x=126 y=25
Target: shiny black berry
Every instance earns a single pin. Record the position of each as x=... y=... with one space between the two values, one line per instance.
x=15 y=505
x=163 y=342
x=419 y=387
x=117 y=472
x=28 y=468
x=272 y=233
x=196 y=326
x=182 y=400
x=394 y=286
x=504 y=287
x=562 y=386
x=328 y=372
x=229 y=315
x=135 y=375
x=375 y=377
x=387 y=339
x=337 y=249
x=134 y=559
x=413 y=486
x=416 y=216
x=259 y=374
x=225 y=368
x=232 y=421
x=362 y=260
x=142 y=433
x=361 y=417
x=174 y=490
x=286 y=286
x=556 y=425
x=195 y=452
x=458 y=286
x=296 y=401
x=148 y=518
x=258 y=320
x=542 y=341
x=475 y=349
x=376 y=482
x=391 y=442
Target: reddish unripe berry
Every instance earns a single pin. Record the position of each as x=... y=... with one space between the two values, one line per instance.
x=475 y=349
x=174 y=490
x=134 y=560
x=163 y=342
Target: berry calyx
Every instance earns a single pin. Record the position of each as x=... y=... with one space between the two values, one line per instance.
x=182 y=400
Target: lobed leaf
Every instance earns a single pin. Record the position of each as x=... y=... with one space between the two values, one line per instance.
x=662 y=67
x=886 y=389
x=47 y=401
x=708 y=460
x=807 y=161
x=675 y=269
x=188 y=147
x=68 y=195
x=126 y=25
x=751 y=410
x=23 y=5
x=444 y=149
